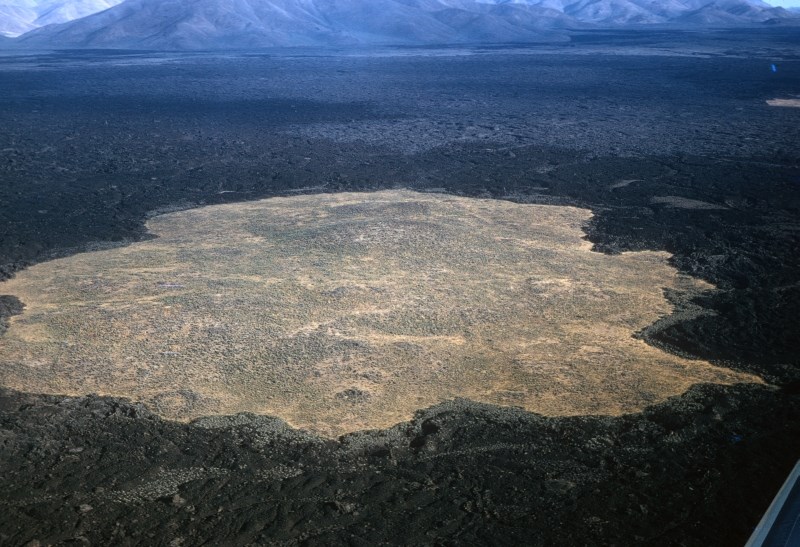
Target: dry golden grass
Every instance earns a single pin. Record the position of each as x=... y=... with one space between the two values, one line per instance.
x=350 y=311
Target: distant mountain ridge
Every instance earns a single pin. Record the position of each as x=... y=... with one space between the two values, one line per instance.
x=20 y=16
x=215 y=24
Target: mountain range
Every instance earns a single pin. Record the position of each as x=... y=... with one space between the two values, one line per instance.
x=20 y=16
x=215 y=24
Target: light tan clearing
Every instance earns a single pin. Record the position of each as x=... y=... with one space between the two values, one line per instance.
x=623 y=183
x=685 y=203
x=792 y=103
x=351 y=311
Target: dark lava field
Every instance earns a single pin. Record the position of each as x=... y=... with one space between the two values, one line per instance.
x=665 y=136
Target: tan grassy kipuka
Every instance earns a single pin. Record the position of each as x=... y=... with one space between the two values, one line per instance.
x=351 y=311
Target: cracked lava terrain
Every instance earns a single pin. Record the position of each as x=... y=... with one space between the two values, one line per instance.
x=342 y=312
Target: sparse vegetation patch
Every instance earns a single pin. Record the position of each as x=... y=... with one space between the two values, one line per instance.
x=350 y=311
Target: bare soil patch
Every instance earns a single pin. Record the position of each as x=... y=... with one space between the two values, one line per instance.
x=792 y=103
x=685 y=203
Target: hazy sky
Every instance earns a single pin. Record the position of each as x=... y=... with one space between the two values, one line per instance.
x=785 y=3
